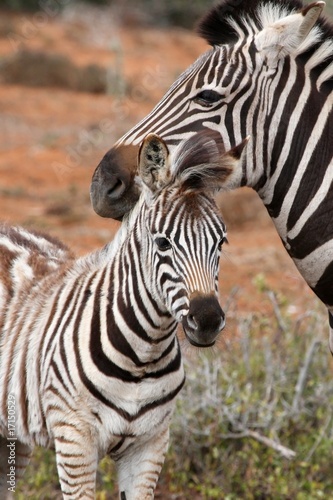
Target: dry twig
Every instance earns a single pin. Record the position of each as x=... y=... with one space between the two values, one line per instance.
x=248 y=433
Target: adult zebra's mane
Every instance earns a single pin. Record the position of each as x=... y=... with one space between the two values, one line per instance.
x=225 y=23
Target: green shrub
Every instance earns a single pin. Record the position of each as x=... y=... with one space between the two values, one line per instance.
x=256 y=421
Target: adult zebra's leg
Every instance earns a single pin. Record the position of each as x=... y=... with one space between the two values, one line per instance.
x=330 y=317
x=14 y=458
x=77 y=460
x=139 y=469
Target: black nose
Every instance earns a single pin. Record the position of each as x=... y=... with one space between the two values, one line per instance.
x=204 y=321
x=113 y=191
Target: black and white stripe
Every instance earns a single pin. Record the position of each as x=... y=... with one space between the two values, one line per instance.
x=88 y=351
x=268 y=75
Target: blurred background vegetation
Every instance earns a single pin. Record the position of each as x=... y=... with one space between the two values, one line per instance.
x=34 y=68
x=183 y=13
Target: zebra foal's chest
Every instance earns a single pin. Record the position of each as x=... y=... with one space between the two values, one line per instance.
x=133 y=414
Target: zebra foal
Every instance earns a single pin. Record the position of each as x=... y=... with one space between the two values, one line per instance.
x=90 y=363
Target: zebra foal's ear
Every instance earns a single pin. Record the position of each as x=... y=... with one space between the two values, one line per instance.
x=284 y=36
x=153 y=164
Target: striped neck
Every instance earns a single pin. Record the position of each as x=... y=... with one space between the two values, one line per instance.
x=126 y=311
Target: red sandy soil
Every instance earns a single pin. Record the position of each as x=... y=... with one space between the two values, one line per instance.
x=52 y=139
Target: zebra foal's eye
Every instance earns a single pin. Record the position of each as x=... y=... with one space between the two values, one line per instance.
x=162 y=243
x=207 y=97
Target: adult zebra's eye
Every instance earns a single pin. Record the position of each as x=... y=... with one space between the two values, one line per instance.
x=207 y=97
x=162 y=243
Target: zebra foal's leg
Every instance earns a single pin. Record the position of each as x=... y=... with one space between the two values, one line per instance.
x=140 y=466
x=77 y=461
x=14 y=458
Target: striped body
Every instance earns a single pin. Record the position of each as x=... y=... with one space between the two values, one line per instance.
x=89 y=353
x=268 y=75
x=66 y=389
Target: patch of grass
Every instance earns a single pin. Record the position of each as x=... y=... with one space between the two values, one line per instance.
x=254 y=421
x=40 y=481
x=243 y=415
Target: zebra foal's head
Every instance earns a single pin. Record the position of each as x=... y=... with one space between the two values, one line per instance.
x=258 y=46
x=182 y=230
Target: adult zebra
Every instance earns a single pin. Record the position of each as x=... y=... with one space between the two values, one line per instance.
x=89 y=358
x=269 y=75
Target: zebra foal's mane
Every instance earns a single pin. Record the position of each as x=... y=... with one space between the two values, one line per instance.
x=202 y=163
x=230 y=19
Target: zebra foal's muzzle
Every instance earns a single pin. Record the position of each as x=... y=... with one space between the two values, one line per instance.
x=204 y=321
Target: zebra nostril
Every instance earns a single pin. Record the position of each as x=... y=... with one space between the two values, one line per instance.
x=191 y=321
x=115 y=189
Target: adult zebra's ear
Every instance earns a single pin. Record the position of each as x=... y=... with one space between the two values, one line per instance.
x=153 y=162
x=229 y=165
x=286 y=35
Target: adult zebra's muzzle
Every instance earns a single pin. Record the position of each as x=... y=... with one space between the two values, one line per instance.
x=204 y=321
x=113 y=191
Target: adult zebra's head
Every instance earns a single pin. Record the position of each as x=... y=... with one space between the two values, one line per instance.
x=181 y=230
x=232 y=89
